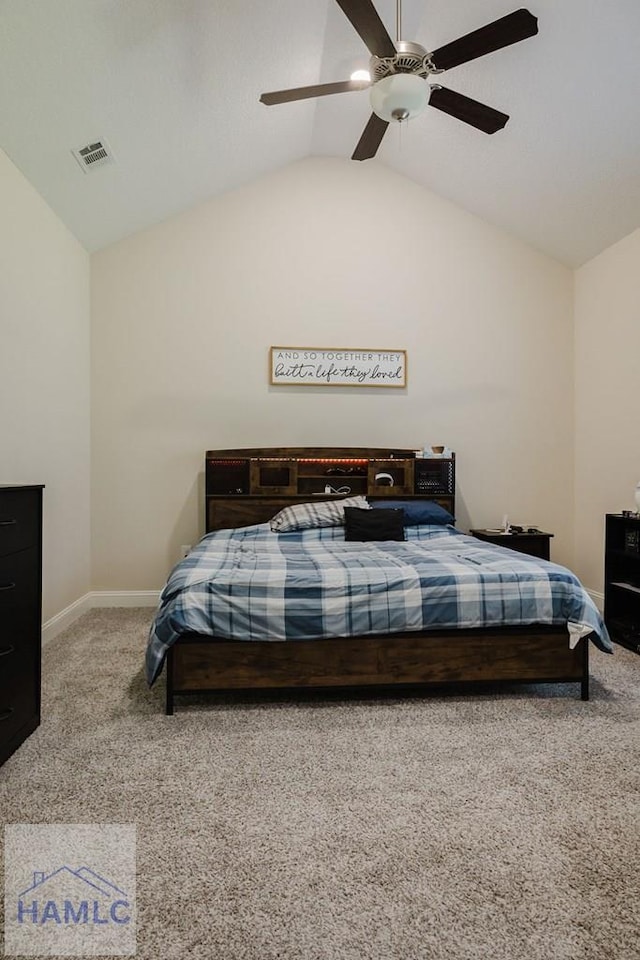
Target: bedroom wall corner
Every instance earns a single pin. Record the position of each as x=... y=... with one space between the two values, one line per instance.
x=44 y=379
x=607 y=361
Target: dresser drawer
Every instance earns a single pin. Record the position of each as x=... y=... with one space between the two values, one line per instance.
x=19 y=520
x=19 y=682
x=19 y=594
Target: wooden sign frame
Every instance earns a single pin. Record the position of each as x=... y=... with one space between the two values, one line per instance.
x=337 y=367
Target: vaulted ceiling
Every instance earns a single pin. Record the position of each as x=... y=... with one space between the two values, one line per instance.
x=173 y=87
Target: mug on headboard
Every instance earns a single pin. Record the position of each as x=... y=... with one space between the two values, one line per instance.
x=437 y=450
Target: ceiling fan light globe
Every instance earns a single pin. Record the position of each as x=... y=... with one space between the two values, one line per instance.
x=399 y=97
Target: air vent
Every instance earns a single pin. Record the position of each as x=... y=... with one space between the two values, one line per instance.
x=94 y=155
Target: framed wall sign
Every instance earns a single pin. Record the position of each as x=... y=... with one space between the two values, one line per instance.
x=337 y=367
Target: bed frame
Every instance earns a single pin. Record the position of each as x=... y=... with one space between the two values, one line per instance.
x=245 y=486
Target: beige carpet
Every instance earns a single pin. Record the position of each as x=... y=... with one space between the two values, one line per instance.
x=483 y=826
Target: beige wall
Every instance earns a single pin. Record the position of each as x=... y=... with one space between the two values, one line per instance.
x=183 y=317
x=607 y=356
x=44 y=378
x=323 y=253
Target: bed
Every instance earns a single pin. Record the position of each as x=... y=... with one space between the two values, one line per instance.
x=265 y=605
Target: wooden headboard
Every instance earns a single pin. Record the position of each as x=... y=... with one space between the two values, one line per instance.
x=246 y=486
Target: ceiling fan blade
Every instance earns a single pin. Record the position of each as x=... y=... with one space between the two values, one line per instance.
x=364 y=18
x=371 y=138
x=514 y=27
x=469 y=111
x=320 y=90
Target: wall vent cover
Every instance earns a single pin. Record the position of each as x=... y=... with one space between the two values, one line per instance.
x=93 y=155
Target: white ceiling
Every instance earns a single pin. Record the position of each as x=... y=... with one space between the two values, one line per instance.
x=173 y=86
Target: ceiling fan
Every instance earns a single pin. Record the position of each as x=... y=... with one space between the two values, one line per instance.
x=399 y=73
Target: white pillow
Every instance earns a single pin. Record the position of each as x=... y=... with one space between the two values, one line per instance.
x=318 y=513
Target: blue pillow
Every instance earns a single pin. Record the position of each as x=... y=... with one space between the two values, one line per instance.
x=416 y=511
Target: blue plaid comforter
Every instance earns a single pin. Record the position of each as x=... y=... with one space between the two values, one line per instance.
x=252 y=584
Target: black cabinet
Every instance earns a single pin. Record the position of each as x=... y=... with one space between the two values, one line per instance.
x=535 y=544
x=20 y=614
x=622 y=579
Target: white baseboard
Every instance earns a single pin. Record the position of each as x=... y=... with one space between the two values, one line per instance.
x=124 y=598
x=56 y=624
x=97 y=598
x=598 y=599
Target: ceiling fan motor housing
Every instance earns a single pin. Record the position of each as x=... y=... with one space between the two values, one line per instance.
x=400 y=91
x=410 y=58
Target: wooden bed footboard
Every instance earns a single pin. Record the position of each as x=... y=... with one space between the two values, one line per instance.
x=506 y=655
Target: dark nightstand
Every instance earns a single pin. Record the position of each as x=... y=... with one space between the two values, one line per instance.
x=535 y=544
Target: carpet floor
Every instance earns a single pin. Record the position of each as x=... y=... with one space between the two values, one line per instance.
x=504 y=824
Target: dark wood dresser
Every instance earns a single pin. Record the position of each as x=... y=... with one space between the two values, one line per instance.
x=20 y=614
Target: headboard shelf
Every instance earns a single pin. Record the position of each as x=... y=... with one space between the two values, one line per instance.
x=249 y=485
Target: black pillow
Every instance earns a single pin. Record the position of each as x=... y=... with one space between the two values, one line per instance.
x=373 y=524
